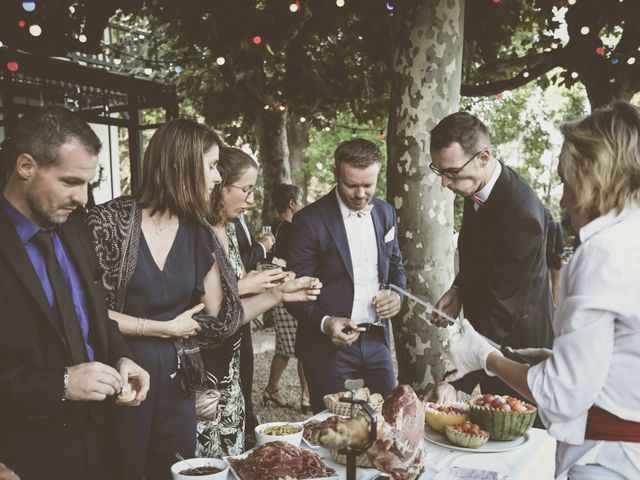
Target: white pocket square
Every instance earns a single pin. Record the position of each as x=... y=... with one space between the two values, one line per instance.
x=390 y=235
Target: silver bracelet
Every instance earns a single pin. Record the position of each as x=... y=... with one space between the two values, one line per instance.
x=65 y=384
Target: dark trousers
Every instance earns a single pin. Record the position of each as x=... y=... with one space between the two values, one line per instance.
x=76 y=448
x=149 y=436
x=368 y=358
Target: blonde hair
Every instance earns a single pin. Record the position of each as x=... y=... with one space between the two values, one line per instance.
x=600 y=158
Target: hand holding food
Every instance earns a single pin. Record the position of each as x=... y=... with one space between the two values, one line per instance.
x=127 y=394
x=303 y=289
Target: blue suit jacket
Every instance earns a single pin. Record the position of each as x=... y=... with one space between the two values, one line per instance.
x=318 y=247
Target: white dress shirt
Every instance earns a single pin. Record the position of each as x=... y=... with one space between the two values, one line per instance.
x=596 y=352
x=483 y=194
x=363 y=248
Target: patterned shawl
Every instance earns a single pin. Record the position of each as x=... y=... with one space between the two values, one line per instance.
x=115 y=228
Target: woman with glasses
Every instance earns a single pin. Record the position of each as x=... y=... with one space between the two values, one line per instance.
x=587 y=390
x=224 y=435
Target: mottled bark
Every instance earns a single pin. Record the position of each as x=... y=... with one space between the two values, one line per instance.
x=425 y=87
x=273 y=153
x=298 y=139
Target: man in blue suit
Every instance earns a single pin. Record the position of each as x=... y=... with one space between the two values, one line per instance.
x=348 y=240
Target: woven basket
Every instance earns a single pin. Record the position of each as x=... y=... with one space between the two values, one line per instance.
x=337 y=407
x=362 y=460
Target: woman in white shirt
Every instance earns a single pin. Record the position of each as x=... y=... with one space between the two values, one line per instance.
x=587 y=390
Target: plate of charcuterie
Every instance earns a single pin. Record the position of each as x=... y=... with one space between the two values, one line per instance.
x=279 y=459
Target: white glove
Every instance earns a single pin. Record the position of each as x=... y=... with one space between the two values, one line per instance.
x=467 y=351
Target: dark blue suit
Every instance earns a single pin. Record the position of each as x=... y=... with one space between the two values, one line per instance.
x=318 y=247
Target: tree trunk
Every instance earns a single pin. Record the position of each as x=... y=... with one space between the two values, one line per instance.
x=298 y=139
x=425 y=87
x=271 y=130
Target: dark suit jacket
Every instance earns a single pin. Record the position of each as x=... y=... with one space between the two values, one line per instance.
x=503 y=273
x=318 y=247
x=33 y=355
x=250 y=253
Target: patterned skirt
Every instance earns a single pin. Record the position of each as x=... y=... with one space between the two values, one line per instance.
x=225 y=435
x=286 y=327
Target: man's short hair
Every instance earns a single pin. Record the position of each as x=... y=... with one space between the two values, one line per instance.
x=463 y=128
x=358 y=153
x=42 y=132
x=283 y=194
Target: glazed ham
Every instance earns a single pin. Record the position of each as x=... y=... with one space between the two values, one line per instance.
x=399 y=448
x=278 y=460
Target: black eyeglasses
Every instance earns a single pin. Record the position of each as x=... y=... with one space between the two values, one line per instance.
x=248 y=189
x=453 y=173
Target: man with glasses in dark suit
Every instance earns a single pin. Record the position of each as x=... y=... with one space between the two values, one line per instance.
x=503 y=282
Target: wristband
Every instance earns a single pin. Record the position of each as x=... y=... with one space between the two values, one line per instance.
x=65 y=383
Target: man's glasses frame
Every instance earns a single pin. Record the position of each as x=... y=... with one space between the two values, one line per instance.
x=248 y=189
x=454 y=173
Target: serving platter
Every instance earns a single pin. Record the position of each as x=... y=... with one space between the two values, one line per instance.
x=248 y=452
x=492 y=446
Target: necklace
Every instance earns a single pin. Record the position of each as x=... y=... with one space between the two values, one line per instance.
x=159 y=229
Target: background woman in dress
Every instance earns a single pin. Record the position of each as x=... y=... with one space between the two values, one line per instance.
x=287 y=200
x=586 y=393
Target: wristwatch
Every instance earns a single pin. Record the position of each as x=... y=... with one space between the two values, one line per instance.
x=65 y=384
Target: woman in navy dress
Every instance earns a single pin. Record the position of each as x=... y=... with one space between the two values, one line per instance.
x=169 y=293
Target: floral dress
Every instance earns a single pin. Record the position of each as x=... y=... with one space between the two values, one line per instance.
x=225 y=434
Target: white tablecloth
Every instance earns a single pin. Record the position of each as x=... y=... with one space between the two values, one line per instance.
x=535 y=460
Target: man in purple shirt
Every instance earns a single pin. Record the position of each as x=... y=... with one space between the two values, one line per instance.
x=62 y=361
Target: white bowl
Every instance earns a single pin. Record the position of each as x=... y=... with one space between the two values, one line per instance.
x=294 y=438
x=183 y=465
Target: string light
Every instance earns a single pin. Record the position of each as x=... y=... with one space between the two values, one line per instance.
x=257 y=40
x=1 y=44
x=631 y=60
x=148 y=70
x=499 y=95
x=178 y=69
x=22 y=23
x=496 y=2
x=13 y=66
x=82 y=38
x=525 y=74
x=390 y=6
x=266 y=107
x=340 y=3
x=35 y=30
x=28 y=6
x=294 y=7
x=303 y=119
x=220 y=61
x=72 y=9
x=614 y=61
x=571 y=2
x=600 y=50
x=327 y=128
x=381 y=134
x=116 y=59
x=574 y=75
x=584 y=30
x=282 y=108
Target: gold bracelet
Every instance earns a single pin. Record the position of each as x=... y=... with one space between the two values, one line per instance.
x=138 y=327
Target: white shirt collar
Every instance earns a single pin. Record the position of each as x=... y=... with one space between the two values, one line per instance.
x=483 y=195
x=605 y=221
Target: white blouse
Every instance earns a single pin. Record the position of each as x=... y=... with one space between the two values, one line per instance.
x=596 y=352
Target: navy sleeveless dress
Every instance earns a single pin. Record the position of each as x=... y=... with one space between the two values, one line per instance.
x=151 y=434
